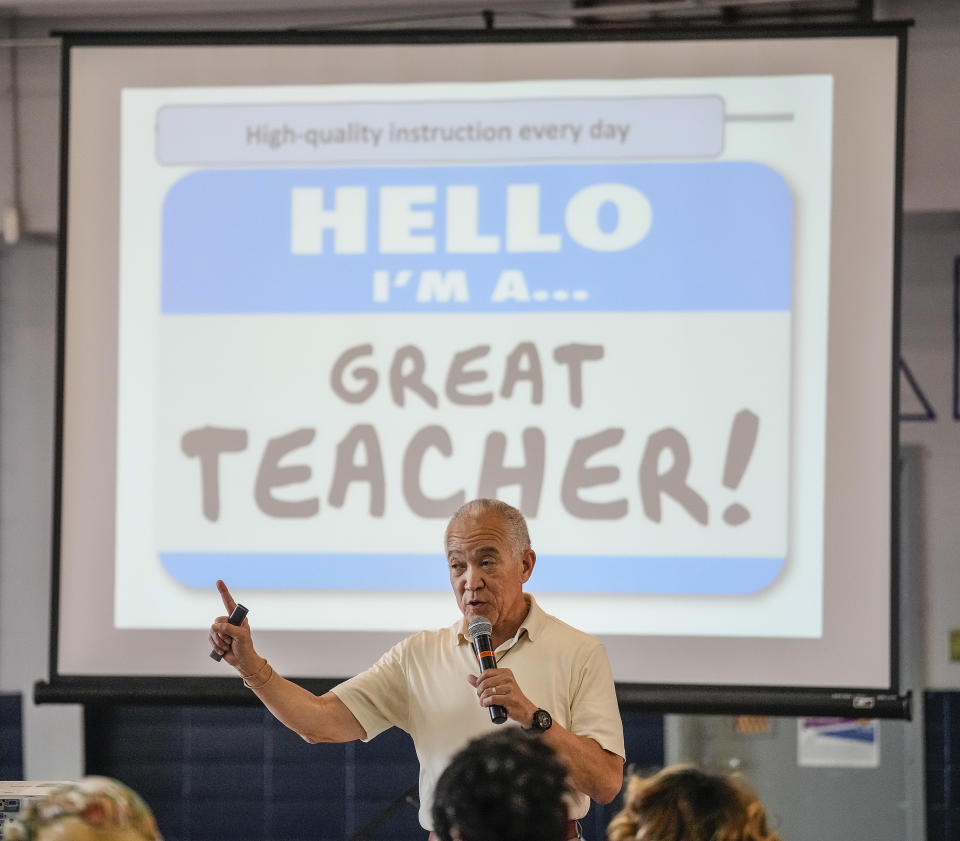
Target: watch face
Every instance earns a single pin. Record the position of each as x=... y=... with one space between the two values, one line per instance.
x=541 y=720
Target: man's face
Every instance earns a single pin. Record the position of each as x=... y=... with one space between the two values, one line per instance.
x=486 y=571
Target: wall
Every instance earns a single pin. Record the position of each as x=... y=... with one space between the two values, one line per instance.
x=809 y=804
x=932 y=157
x=931 y=245
x=278 y=783
x=27 y=347
x=52 y=748
x=886 y=802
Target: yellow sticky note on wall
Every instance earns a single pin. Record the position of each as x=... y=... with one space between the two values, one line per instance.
x=955 y=643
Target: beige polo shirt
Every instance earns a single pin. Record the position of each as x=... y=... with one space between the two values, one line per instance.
x=420 y=685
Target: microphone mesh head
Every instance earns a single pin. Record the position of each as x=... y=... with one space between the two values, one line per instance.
x=478 y=625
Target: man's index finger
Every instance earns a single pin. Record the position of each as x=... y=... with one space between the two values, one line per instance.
x=228 y=601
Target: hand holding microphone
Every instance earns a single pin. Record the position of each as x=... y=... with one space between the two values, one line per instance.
x=480 y=630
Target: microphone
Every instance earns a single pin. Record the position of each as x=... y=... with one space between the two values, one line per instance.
x=480 y=629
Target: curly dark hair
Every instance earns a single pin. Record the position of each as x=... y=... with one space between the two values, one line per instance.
x=505 y=786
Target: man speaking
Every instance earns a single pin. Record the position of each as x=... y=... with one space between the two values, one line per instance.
x=549 y=678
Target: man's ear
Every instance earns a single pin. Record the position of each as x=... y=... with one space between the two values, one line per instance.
x=527 y=563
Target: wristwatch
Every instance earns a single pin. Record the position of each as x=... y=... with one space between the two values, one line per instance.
x=541 y=721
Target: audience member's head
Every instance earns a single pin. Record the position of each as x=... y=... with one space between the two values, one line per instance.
x=681 y=803
x=506 y=786
x=91 y=809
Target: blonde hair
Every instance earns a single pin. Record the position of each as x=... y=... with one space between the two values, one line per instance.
x=682 y=803
x=92 y=807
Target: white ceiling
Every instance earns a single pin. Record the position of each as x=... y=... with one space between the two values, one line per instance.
x=21 y=19
x=515 y=12
x=363 y=8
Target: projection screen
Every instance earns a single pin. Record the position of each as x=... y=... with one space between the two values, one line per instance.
x=319 y=290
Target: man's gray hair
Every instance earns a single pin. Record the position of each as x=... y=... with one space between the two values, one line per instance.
x=512 y=518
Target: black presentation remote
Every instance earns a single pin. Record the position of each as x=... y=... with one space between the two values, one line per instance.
x=236 y=618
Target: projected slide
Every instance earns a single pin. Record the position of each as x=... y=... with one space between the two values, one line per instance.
x=345 y=310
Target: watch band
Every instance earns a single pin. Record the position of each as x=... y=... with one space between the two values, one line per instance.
x=542 y=721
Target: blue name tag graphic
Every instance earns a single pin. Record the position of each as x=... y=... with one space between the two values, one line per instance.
x=654 y=237
x=712 y=236
x=723 y=576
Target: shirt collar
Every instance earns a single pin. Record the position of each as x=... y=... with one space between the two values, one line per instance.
x=532 y=624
